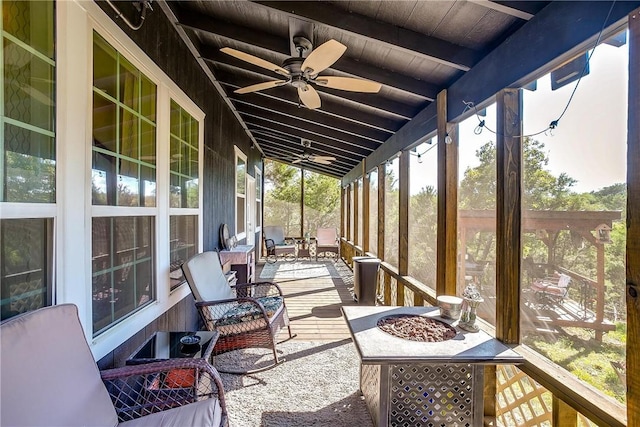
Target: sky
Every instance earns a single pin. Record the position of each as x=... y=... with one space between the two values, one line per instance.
x=589 y=143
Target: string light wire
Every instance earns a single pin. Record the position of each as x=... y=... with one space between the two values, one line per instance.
x=554 y=123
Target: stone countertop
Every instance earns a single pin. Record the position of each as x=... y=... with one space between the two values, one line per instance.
x=377 y=347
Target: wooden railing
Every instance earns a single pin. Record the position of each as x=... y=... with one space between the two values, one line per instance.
x=548 y=394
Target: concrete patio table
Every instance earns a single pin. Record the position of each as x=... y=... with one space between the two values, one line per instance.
x=414 y=383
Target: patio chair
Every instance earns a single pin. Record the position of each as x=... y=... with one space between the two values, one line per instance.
x=251 y=320
x=551 y=290
x=327 y=242
x=278 y=245
x=49 y=378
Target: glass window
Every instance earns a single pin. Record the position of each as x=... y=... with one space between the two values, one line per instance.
x=184 y=193
x=321 y=202
x=123 y=260
x=574 y=221
x=282 y=197
x=26 y=259
x=373 y=211
x=124 y=132
x=391 y=211
x=258 y=198
x=241 y=190
x=27 y=149
x=423 y=212
x=27 y=155
x=477 y=210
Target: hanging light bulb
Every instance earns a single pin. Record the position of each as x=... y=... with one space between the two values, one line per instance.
x=448 y=139
x=478 y=129
x=419 y=158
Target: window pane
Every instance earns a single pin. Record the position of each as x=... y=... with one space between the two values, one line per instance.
x=184 y=164
x=240 y=217
x=477 y=211
x=183 y=244
x=122 y=130
x=30 y=166
x=122 y=258
x=574 y=222
x=423 y=213
x=391 y=211
x=26 y=258
x=373 y=211
x=27 y=123
x=241 y=170
x=321 y=202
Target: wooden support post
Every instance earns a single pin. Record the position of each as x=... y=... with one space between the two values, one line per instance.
x=600 y=290
x=356 y=211
x=508 y=214
x=633 y=224
x=301 y=203
x=387 y=288
x=381 y=199
x=399 y=293
x=343 y=200
x=562 y=414
x=490 y=391
x=447 y=201
x=403 y=212
x=348 y=212
x=418 y=301
x=366 y=215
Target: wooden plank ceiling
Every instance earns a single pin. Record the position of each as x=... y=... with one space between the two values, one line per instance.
x=413 y=48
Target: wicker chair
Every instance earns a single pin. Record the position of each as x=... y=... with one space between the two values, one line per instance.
x=327 y=242
x=246 y=315
x=278 y=245
x=49 y=378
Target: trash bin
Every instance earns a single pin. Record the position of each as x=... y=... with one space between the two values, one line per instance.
x=365 y=279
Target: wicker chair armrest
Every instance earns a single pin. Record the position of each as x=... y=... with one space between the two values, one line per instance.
x=269 y=243
x=259 y=288
x=140 y=390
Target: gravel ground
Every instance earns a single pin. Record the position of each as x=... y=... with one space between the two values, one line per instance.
x=317 y=385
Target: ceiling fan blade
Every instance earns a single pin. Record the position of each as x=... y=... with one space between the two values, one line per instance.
x=323 y=57
x=321 y=161
x=255 y=60
x=309 y=97
x=329 y=158
x=260 y=86
x=297 y=161
x=348 y=83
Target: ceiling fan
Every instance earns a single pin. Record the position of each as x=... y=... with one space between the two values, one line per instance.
x=302 y=73
x=308 y=156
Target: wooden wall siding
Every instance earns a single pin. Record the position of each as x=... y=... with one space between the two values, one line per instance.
x=508 y=213
x=447 y=239
x=403 y=223
x=343 y=207
x=633 y=224
x=382 y=170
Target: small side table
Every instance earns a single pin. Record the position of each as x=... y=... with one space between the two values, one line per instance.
x=166 y=345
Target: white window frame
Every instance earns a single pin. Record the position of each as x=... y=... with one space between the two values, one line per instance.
x=258 y=176
x=240 y=155
x=75 y=23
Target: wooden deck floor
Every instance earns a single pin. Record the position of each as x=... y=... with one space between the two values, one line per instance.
x=314 y=300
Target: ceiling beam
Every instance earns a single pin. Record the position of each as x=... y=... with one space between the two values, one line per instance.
x=311 y=116
x=347 y=140
x=508 y=8
x=272 y=141
x=372 y=100
x=420 y=45
x=269 y=42
x=296 y=132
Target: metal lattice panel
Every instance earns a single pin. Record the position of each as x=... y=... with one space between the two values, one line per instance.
x=370 y=387
x=432 y=395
